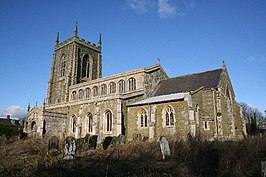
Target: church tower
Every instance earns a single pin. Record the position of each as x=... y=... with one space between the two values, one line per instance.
x=74 y=61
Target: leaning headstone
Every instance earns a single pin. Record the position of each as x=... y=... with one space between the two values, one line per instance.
x=115 y=140
x=121 y=139
x=53 y=145
x=100 y=138
x=70 y=148
x=263 y=168
x=107 y=141
x=164 y=147
x=93 y=142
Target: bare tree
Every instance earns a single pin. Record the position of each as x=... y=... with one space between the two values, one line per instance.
x=253 y=118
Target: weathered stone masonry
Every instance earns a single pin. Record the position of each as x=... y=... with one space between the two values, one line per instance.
x=140 y=104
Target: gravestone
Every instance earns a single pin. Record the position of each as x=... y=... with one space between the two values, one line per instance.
x=23 y=136
x=136 y=136
x=86 y=138
x=145 y=138
x=100 y=138
x=164 y=147
x=263 y=168
x=80 y=142
x=93 y=142
x=122 y=139
x=107 y=141
x=70 y=148
x=53 y=145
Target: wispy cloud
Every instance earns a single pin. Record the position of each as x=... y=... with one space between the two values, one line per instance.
x=13 y=111
x=139 y=6
x=252 y=59
x=165 y=9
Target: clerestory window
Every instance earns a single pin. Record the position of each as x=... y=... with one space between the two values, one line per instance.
x=131 y=84
x=112 y=87
x=121 y=85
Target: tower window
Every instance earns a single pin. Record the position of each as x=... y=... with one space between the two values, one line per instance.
x=85 y=66
x=62 y=69
x=62 y=66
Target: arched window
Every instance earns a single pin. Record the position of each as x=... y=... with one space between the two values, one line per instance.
x=121 y=84
x=143 y=118
x=85 y=66
x=109 y=121
x=131 y=84
x=112 y=87
x=62 y=66
x=95 y=91
x=103 y=89
x=90 y=122
x=74 y=123
x=169 y=116
x=81 y=94
x=87 y=93
x=33 y=126
x=74 y=95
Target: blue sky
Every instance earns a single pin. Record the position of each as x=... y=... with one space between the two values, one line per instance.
x=188 y=35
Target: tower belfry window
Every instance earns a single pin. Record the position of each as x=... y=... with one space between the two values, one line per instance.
x=62 y=69
x=85 y=66
x=62 y=66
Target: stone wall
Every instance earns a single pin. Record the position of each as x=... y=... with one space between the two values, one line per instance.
x=156 y=120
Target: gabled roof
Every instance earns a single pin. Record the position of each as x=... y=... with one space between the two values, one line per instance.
x=186 y=83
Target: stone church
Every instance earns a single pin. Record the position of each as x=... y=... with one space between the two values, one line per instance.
x=141 y=104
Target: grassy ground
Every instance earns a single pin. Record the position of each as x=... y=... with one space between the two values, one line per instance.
x=190 y=158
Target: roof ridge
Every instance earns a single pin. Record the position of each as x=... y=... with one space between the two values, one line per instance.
x=194 y=73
